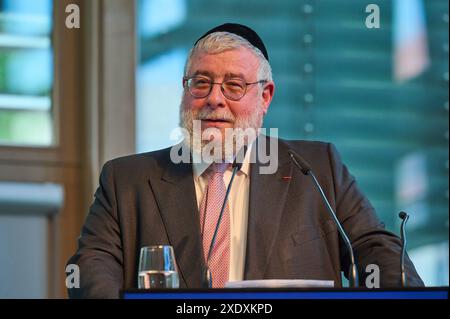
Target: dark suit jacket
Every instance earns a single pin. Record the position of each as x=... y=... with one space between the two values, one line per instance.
x=146 y=199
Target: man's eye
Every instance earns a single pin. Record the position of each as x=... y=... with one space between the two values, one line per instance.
x=201 y=82
x=234 y=84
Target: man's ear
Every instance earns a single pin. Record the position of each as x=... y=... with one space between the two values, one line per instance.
x=267 y=95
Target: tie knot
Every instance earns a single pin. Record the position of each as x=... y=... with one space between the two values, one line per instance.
x=219 y=167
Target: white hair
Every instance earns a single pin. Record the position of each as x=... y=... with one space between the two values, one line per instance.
x=218 y=42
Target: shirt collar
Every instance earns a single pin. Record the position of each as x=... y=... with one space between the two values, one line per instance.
x=199 y=167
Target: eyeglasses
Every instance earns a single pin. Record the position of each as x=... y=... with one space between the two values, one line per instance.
x=233 y=89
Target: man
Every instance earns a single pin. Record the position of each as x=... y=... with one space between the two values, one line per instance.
x=274 y=225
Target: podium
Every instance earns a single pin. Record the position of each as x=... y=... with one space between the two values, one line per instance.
x=288 y=294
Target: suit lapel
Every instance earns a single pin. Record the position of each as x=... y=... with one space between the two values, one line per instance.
x=268 y=194
x=175 y=195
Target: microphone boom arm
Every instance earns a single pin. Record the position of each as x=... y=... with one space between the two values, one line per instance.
x=353 y=271
x=306 y=170
x=404 y=216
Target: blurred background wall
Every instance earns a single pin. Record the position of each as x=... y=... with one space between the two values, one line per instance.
x=70 y=99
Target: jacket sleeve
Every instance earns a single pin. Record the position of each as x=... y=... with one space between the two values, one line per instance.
x=371 y=243
x=99 y=255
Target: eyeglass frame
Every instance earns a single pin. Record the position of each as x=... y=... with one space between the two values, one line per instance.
x=186 y=79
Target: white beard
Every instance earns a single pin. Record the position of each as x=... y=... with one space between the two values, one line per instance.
x=210 y=142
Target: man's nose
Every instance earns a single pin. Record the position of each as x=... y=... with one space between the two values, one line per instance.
x=215 y=98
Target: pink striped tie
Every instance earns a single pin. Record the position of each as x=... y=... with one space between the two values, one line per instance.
x=209 y=214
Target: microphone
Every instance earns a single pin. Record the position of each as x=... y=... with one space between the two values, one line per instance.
x=304 y=167
x=404 y=217
x=237 y=164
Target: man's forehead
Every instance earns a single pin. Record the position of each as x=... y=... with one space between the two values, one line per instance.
x=213 y=74
x=239 y=63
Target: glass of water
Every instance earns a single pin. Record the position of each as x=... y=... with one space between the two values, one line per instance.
x=157 y=268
